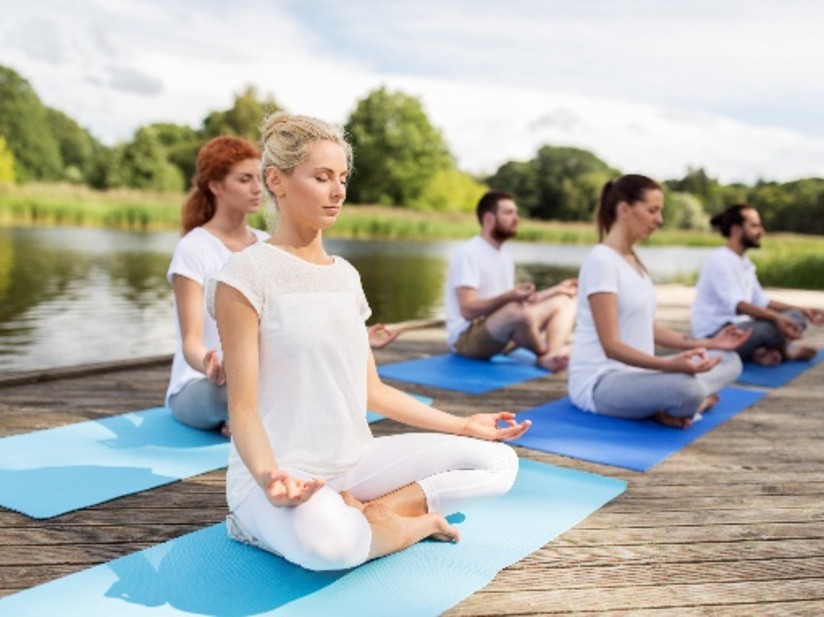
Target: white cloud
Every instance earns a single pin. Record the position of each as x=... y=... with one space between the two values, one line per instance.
x=642 y=86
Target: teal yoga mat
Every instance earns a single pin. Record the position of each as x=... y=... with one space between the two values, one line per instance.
x=776 y=376
x=453 y=372
x=561 y=428
x=48 y=473
x=205 y=573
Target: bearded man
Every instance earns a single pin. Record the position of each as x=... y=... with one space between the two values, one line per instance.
x=728 y=292
x=487 y=313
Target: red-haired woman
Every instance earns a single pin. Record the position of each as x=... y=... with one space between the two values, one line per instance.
x=226 y=189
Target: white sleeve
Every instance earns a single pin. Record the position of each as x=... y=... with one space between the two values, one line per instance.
x=725 y=287
x=599 y=274
x=188 y=260
x=240 y=273
x=759 y=297
x=464 y=270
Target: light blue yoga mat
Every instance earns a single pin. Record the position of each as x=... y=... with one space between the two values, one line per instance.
x=54 y=471
x=561 y=428
x=776 y=376
x=205 y=573
x=453 y=372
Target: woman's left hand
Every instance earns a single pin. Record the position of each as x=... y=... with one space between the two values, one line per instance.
x=729 y=338
x=486 y=426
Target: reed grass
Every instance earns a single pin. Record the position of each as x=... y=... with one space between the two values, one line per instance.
x=786 y=260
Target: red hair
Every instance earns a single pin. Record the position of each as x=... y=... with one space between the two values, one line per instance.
x=215 y=160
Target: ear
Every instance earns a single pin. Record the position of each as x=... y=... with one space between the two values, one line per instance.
x=622 y=209
x=215 y=187
x=274 y=181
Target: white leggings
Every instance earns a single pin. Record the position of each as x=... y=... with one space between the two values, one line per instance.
x=325 y=534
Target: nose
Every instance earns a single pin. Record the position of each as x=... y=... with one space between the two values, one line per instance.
x=256 y=185
x=338 y=190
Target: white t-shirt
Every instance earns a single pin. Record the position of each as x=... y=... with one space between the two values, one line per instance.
x=604 y=270
x=726 y=279
x=314 y=350
x=198 y=255
x=479 y=265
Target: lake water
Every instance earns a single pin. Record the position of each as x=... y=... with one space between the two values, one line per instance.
x=76 y=295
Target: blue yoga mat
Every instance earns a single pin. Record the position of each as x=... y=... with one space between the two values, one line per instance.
x=776 y=376
x=561 y=428
x=453 y=372
x=48 y=473
x=205 y=573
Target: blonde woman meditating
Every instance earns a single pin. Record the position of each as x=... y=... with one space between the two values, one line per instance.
x=613 y=367
x=306 y=479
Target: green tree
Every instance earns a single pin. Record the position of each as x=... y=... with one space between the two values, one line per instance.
x=7 y=175
x=77 y=146
x=181 y=143
x=142 y=164
x=24 y=123
x=684 y=211
x=450 y=190
x=699 y=183
x=398 y=151
x=243 y=118
x=558 y=183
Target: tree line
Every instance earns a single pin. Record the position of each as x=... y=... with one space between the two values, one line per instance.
x=402 y=160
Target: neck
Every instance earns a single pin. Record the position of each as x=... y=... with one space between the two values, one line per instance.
x=736 y=247
x=495 y=242
x=228 y=222
x=305 y=243
x=620 y=241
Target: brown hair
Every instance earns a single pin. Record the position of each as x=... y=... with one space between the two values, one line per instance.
x=215 y=160
x=629 y=188
x=723 y=221
x=489 y=203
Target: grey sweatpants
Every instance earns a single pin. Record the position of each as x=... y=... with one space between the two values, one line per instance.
x=201 y=404
x=766 y=334
x=638 y=395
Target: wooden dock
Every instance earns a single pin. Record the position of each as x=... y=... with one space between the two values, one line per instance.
x=732 y=525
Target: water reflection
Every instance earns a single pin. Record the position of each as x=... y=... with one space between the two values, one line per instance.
x=76 y=295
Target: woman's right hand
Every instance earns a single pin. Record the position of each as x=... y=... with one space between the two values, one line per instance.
x=213 y=368
x=283 y=490
x=692 y=361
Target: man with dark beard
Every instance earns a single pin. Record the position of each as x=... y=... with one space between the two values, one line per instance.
x=487 y=313
x=728 y=291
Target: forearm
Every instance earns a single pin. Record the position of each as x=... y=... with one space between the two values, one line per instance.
x=620 y=351
x=475 y=308
x=667 y=337
x=401 y=407
x=194 y=352
x=252 y=443
x=756 y=312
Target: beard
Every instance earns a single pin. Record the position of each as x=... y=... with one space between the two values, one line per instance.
x=501 y=233
x=750 y=242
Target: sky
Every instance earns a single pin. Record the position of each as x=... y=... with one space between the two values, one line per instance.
x=650 y=86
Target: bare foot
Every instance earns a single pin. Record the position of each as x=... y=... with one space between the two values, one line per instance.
x=445 y=532
x=351 y=501
x=668 y=420
x=225 y=430
x=554 y=362
x=800 y=352
x=709 y=402
x=765 y=356
x=392 y=532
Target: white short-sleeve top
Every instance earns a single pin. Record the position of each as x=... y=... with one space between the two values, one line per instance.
x=726 y=279
x=481 y=266
x=606 y=271
x=198 y=255
x=314 y=350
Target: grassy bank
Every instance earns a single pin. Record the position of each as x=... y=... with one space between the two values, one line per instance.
x=786 y=260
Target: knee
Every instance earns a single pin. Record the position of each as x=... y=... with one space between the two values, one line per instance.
x=691 y=395
x=337 y=544
x=730 y=365
x=503 y=468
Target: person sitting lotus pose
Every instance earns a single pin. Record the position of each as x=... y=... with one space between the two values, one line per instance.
x=487 y=313
x=614 y=370
x=306 y=478
x=728 y=292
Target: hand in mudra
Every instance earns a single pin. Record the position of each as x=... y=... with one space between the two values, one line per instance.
x=283 y=490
